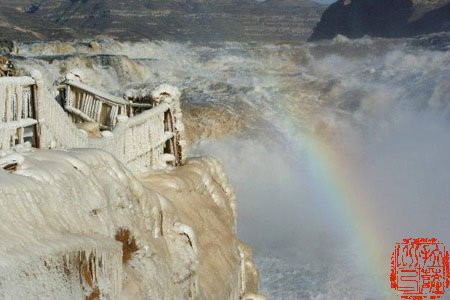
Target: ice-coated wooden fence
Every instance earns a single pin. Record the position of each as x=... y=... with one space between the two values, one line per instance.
x=17 y=110
x=141 y=141
x=86 y=104
x=151 y=139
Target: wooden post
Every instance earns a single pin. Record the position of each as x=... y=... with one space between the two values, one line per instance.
x=171 y=144
x=7 y=104
x=98 y=108
x=37 y=93
x=35 y=106
x=18 y=96
x=131 y=112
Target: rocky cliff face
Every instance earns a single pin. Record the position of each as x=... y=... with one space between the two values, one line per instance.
x=383 y=18
x=248 y=20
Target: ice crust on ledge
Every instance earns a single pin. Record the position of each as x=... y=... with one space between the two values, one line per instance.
x=225 y=265
x=62 y=212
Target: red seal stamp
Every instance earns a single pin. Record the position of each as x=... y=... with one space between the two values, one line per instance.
x=420 y=269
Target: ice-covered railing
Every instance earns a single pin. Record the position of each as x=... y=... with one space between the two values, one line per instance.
x=141 y=135
x=151 y=139
x=28 y=114
x=17 y=110
x=86 y=104
x=55 y=128
x=144 y=141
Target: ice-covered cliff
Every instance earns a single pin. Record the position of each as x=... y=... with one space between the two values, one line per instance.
x=78 y=225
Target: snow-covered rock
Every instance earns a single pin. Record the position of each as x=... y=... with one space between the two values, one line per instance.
x=79 y=225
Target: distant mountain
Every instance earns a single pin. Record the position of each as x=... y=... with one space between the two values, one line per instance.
x=383 y=18
x=236 y=20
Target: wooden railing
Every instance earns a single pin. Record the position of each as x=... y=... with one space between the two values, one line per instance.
x=142 y=141
x=150 y=139
x=17 y=111
x=86 y=104
x=147 y=139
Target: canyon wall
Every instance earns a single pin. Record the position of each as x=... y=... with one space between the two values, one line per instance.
x=383 y=18
x=248 y=20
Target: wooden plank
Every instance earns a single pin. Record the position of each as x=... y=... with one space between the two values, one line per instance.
x=36 y=127
x=17 y=124
x=2 y=102
x=7 y=105
x=20 y=132
x=84 y=117
x=143 y=105
x=112 y=100
x=18 y=95
x=22 y=80
x=98 y=109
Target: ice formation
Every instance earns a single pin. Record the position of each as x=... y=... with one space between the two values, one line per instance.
x=138 y=140
x=225 y=265
x=79 y=224
x=178 y=246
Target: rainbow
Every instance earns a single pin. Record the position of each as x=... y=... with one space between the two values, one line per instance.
x=339 y=181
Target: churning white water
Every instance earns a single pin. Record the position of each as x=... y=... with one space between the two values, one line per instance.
x=379 y=107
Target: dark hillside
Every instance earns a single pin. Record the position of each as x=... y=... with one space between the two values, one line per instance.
x=235 y=20
x=383 y=18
